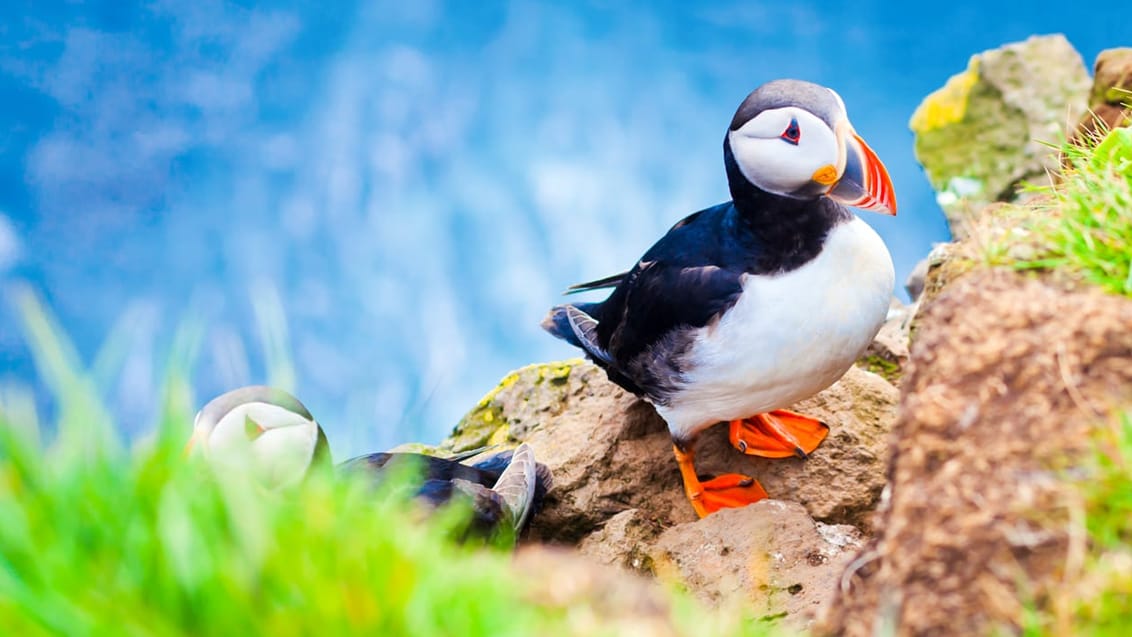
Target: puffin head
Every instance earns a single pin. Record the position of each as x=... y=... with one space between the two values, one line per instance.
x=261 y=429
x=793 y=138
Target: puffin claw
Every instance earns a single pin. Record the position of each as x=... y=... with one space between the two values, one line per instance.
x=778 y=434
x=722 y=492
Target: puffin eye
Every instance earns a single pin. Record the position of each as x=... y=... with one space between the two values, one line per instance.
x=792 y=134
x=252 y=429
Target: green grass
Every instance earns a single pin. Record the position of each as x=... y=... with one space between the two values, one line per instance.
x=1082 y=229
x=1101 y=538
x=102 y=537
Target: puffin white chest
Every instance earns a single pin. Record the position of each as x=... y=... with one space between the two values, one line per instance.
x=789 y=335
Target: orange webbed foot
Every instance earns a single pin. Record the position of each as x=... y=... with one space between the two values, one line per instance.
x=727 y=491
x=778 y=434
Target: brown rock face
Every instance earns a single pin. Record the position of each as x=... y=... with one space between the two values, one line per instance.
x=624 y=540
x=1007 y=376
x=1111 y=95
x=771 y=555
x=595 y=599
x=617 y=493
x=610 y=452
x=599 y=596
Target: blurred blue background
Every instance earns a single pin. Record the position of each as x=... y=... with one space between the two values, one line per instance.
x=394 y=192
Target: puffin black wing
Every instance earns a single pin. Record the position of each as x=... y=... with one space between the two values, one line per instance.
x=430 y=467
x=607 y=282
x=687 y=279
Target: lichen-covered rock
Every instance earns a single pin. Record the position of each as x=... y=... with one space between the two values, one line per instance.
x=531 y=394
x=610 y=452
x=981 y=135
x=771 y=555
x=1111 y=95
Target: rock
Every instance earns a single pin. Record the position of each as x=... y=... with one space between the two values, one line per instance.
x=981 y=135
x=596 y=596
x=1008 y=376
x=618 y=497
x=841 y=482
x=530 y=395
x=945 y=263
x=888 y=352
x=623 y=541
x=595 y=599
x=771 y=555
x=914 y=284
x=1110 y=96
x=609 y=452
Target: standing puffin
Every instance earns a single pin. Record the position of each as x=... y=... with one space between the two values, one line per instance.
x=268 y=431
x=747 y=307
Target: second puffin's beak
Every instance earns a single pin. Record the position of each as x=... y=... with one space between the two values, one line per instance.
x=864 y=183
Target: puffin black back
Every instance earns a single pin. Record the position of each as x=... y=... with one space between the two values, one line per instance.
x=437 y=481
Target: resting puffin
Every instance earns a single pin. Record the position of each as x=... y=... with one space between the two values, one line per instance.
x=271 y=432
x=747 y=307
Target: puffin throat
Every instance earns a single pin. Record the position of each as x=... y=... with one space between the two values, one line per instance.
x=792 y=228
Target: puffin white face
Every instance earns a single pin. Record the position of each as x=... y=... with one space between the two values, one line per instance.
x=276 y=444
x=786 y=150
x=793 y=138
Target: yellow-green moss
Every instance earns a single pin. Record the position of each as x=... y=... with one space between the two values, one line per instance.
x=486 y=424
x=1117 y=95
x=483 y=425
x=948 y=105
x=557 y=373
x=881 y=366
x=417 y=447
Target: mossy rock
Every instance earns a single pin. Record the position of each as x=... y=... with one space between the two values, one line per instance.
x=538 y=388
x=986 y=131
x=887 y=369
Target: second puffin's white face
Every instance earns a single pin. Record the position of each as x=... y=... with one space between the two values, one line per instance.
x=275 y=443
x=787 y=151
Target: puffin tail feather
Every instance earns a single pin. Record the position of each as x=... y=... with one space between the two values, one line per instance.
x=518 y=484
x=584 y=327
x=557 y=322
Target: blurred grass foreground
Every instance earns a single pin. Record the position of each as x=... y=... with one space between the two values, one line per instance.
x=98 y=537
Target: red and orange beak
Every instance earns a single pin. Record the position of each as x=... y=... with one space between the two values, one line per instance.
x=864 y=183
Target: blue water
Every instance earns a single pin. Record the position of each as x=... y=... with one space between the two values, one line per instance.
x=413 y=183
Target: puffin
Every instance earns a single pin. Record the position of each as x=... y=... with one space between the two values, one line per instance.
x=746 y=307
x=270 y=432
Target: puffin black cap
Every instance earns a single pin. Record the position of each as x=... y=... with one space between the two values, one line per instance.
x=819 y=100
